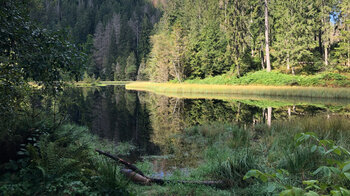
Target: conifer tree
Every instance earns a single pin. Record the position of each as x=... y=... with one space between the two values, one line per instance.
x=294 y=38
x=342 y=52
x=131 y=68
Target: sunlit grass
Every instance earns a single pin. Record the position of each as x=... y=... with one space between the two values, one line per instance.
x=283 y=91
x=275 y=78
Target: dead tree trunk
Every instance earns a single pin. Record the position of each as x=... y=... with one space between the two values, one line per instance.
x=136 y=175
x=268 y=64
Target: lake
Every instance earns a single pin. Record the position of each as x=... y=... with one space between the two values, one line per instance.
x=153 y=122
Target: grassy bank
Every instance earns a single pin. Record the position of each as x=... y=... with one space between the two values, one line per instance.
x=287 y=161
x=283 y=91
x=275 y=78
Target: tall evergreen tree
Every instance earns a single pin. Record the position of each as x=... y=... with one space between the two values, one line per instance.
x=293 y=32
x=267 y=37
x=342 y=52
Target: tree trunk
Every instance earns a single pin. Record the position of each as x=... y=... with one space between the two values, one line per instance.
x=326 y=54
x=288 y=63
x=289 y=112
x=269 y=116
x=348 y=53
x=326 y=38
x=136 y=175
x=348 y=30
x=268 y=65
x=238 y=67
x=320 y=41
x=262 y=56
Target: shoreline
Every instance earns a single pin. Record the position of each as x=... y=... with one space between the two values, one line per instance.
x=261 y=90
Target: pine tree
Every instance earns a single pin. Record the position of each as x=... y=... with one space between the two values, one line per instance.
x=267 y=37
x=131 y=68
x=342 y=52
x=237 y=29
x=293 y=32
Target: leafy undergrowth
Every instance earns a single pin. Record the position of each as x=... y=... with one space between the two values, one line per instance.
x=63 y=162
x=284 y=159
x=278 y=79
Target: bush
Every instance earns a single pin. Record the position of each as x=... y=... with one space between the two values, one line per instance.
x=63 y=162
x=276 y=78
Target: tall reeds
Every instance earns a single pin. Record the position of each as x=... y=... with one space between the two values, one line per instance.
x=280 y=91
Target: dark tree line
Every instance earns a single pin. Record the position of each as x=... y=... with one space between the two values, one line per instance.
x=115 y=33
x=182 y=39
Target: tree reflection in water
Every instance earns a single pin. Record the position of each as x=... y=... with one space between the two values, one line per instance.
x=153 y=122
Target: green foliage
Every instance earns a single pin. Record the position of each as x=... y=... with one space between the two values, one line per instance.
x=294 y=23
x=300 y=37
x=342 y=51
x=63 y=162
x=131 y=68
x=282 y=157
x=230 y=165
x=29 y=53
x=278 y=79
x=332 y=179
x=90 y=80
x=114 y=29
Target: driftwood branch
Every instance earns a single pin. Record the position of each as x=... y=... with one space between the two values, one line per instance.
x=137 y=176
x=125 y=163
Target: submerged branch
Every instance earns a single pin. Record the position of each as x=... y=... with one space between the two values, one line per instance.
x=137 y=176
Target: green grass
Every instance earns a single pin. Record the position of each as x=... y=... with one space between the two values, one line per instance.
x=275 y=78
x=228 y=152
x=219 y=90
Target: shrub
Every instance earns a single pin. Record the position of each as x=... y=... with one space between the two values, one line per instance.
x=63 y=162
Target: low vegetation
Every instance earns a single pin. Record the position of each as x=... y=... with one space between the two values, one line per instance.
x=62 y=162
x=275 y=78
x=284 y=91
x=286 y=158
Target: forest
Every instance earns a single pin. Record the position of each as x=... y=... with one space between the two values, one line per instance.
x=188 y=39
x=252 y=96
x=208 y=38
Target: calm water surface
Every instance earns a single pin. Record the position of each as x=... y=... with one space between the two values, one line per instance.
x=151 y=122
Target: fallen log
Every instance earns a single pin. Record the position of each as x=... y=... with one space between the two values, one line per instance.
x=125 y=163
x=137 y=176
